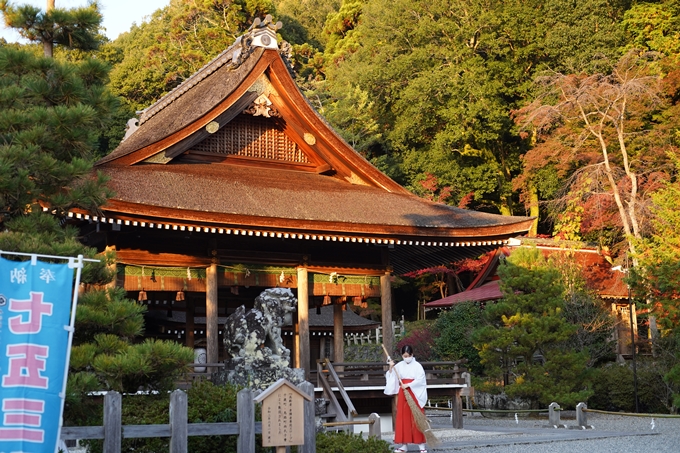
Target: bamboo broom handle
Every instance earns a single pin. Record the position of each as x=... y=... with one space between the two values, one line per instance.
x=393 y=368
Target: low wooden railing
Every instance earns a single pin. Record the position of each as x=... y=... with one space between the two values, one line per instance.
x=361 y=374
x=179 y=428
x=327 y=377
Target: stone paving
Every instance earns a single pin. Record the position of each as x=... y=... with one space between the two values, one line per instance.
x=610 y=433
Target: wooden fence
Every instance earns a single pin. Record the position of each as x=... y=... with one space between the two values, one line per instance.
x=179 y=428
x=374 y=336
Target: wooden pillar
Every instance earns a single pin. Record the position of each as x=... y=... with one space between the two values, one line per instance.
x=212 y=333
x=302 y=346
x=388 y=335
x=190 y=322
x=386 y=308
x=457 y=409
x=338 y=334
x=295 y=357
x=302 y=352
x=179 y=428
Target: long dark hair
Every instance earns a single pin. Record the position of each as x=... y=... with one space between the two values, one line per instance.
x=407 y=349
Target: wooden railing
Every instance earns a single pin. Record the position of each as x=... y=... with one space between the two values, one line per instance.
x=361 y=374
x=375 y=336
x=326 y=375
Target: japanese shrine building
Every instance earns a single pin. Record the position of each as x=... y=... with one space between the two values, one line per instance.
x=233 y=183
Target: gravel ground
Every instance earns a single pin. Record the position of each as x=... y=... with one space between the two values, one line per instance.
x=610 y=433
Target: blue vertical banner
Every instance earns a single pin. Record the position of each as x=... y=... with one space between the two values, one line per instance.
x=35 y=309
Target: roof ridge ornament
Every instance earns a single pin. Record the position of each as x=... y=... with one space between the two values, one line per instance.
x=263 y=32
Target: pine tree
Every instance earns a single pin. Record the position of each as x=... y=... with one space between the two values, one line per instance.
x=51 y=114
x=76 y=28
x=522 y=346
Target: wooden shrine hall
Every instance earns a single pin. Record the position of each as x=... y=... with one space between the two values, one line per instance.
x=233 y=183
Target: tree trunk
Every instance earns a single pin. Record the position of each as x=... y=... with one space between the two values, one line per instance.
x=48 y=45
x=533 y=210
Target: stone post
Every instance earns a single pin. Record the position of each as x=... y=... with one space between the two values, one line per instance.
x=554 y=415
x=374 y=429
x=581 y=417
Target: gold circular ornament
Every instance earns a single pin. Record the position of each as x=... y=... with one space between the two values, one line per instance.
x=309 y=139
x=212 y=127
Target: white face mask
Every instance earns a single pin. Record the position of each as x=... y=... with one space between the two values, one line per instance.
x=408 y=359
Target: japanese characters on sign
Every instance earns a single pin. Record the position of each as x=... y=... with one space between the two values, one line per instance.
x=282 y=415
x=35 y=304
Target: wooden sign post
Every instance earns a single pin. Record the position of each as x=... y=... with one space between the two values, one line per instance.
x=282 y=415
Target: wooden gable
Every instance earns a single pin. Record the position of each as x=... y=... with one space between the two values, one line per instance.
x=251 y=132
x=251 y=113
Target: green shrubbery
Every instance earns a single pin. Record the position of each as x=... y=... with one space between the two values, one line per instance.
x=455 y=328
x=369 y=352
x=615 y=391
x=349 y=443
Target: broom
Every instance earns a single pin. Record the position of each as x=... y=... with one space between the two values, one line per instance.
x=421 y=421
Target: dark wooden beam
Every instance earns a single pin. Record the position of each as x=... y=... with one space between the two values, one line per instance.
x=146 y=258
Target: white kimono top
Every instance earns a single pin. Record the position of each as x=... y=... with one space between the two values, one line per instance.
x=413 y=370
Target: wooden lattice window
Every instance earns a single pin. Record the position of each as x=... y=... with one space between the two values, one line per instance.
x=253 y=136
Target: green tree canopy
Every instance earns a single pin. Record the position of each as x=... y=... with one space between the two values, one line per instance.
x=76 y=28
x=522 y=346
x=654 y=26
x=657 y=278
x=443 y=78
x=51 y=117
x=156 y=56
x=307 y=18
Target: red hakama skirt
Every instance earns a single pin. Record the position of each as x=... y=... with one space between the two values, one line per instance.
x=405 y=429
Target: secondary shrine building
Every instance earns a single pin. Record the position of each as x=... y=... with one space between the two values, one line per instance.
x=232 y=183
